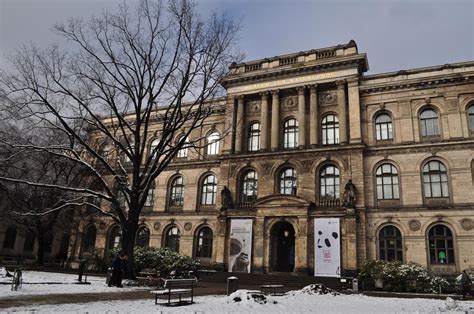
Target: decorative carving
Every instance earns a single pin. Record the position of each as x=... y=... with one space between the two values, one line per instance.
x=254 y=106
x=301 y=89
x=467 y=224
x=414 y=225
x=349 y=197
x=328 y=98
x=307 y=163
x=227 y=202
x=157 y=226
x=266 y=168
x=341 y=84
x=188 y=226
x=290 y=103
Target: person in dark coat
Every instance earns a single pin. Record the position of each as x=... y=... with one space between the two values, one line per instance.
x=466 y=284
x=119 y=267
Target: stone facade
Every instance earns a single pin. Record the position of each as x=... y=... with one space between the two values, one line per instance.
x=336 y=108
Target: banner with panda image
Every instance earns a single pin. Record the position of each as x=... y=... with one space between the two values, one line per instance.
x=327 y=247
x=240 y=254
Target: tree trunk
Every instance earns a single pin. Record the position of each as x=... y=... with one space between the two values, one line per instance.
x=128 y=244
x=40 y=251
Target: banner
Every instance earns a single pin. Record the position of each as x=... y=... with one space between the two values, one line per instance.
x=327 y=247
x=240 y=253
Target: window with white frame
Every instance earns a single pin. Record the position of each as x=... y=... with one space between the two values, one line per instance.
x=330 y=130
x=435 y=179
x=429 y=123
x=290 y=134
x=177 y=192
x=329 y=182
x=386 y=177
x=209 y=190
x=213 y=143
x=383 y=127
x=287 y=181
x=254 y=137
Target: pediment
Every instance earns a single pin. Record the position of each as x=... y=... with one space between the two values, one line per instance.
x=282 y=200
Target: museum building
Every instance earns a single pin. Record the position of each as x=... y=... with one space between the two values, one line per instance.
x=310 y=162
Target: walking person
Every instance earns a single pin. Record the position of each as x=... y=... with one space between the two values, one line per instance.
x=466 y=284
x=119 y=267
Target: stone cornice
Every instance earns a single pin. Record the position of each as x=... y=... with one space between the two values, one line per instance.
x=433 y=147
x=343 y=62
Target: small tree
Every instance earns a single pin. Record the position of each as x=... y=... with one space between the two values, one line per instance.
x=126 y=71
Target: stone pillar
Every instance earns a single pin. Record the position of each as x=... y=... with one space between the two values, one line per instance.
x=301 y=117
x=229 y=120
x=354 y=111
x=275 y=120
x=238 y=123
x=341 y=100
x=264 y=122
x=313 y=116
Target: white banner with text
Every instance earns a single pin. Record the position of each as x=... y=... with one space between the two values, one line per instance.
x=240 y=254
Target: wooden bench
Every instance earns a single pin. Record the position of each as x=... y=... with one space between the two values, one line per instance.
x=273 y=289
x=176 y=287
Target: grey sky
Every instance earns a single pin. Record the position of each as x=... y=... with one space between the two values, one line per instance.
x=395 y=34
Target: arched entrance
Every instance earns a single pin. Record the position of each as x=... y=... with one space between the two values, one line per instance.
x=282 y=247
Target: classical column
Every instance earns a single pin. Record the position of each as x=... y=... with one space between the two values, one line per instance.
x=354 y=111
x=264 y=122
x=275 y=119
x=301 y=117
x=229 y=120
x=238 y=124
x=313 y=115
x=341 y=100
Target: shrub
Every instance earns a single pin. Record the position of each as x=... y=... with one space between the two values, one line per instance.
x=400 y=277
x=162 y=260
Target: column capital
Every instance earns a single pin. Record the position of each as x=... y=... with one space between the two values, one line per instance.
x=313 y=88
x=275 y=92
x=353 y=81
x=301 y=89
x=341 y=84
x=240 y=97
x=264 y=94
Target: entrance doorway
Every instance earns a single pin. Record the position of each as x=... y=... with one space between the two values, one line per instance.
x=282 y=247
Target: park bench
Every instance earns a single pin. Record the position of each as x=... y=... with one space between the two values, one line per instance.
x=273 y=289
x=176 y=288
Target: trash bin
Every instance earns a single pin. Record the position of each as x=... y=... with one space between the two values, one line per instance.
x=355 y=285
x=232 y=285
x=109 y=274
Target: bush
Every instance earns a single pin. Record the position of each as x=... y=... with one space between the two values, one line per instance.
x=162 y=260
x=400 y=277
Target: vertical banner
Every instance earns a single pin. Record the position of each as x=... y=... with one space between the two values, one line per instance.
x=327 y=247
x=240 y=253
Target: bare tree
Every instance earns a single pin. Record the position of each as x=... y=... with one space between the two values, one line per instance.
x=34 y=208
x=158 y=62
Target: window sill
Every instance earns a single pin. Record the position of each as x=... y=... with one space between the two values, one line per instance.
x=207 y=208
x=384 y=142
x=388 y=203
x=175 y=209
x=431 y=138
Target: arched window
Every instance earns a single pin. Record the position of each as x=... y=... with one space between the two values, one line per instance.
x=441 y=245
x=390 y=244
x=329 y=182
x=435 y=179
x=177 y=192
x=48 y=242
x=288 y=181
x=209 y=190
x=88 y=243
x=154 y=143
x=429 y=123
x=150 y=197
x=29 y=244
x=330 y=128
x=383 y=127
x=213 y=143
x=183 y=151
x=254 y=137
x=143 y=237
x=172 y=239
x=470 y=117
x=387 y=182
x=10 y=238
x=204 y=243
x=249 y=187
x=115 y=235
x=290 y=134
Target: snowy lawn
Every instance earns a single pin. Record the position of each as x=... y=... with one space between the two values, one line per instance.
x=292 y=303
x=38 y=283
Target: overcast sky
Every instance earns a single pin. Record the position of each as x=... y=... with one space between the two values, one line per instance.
x=395 y=34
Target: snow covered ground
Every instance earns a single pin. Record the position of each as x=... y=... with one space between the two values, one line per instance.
x=298 y=303
x=39 y=283
x=295 y=302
